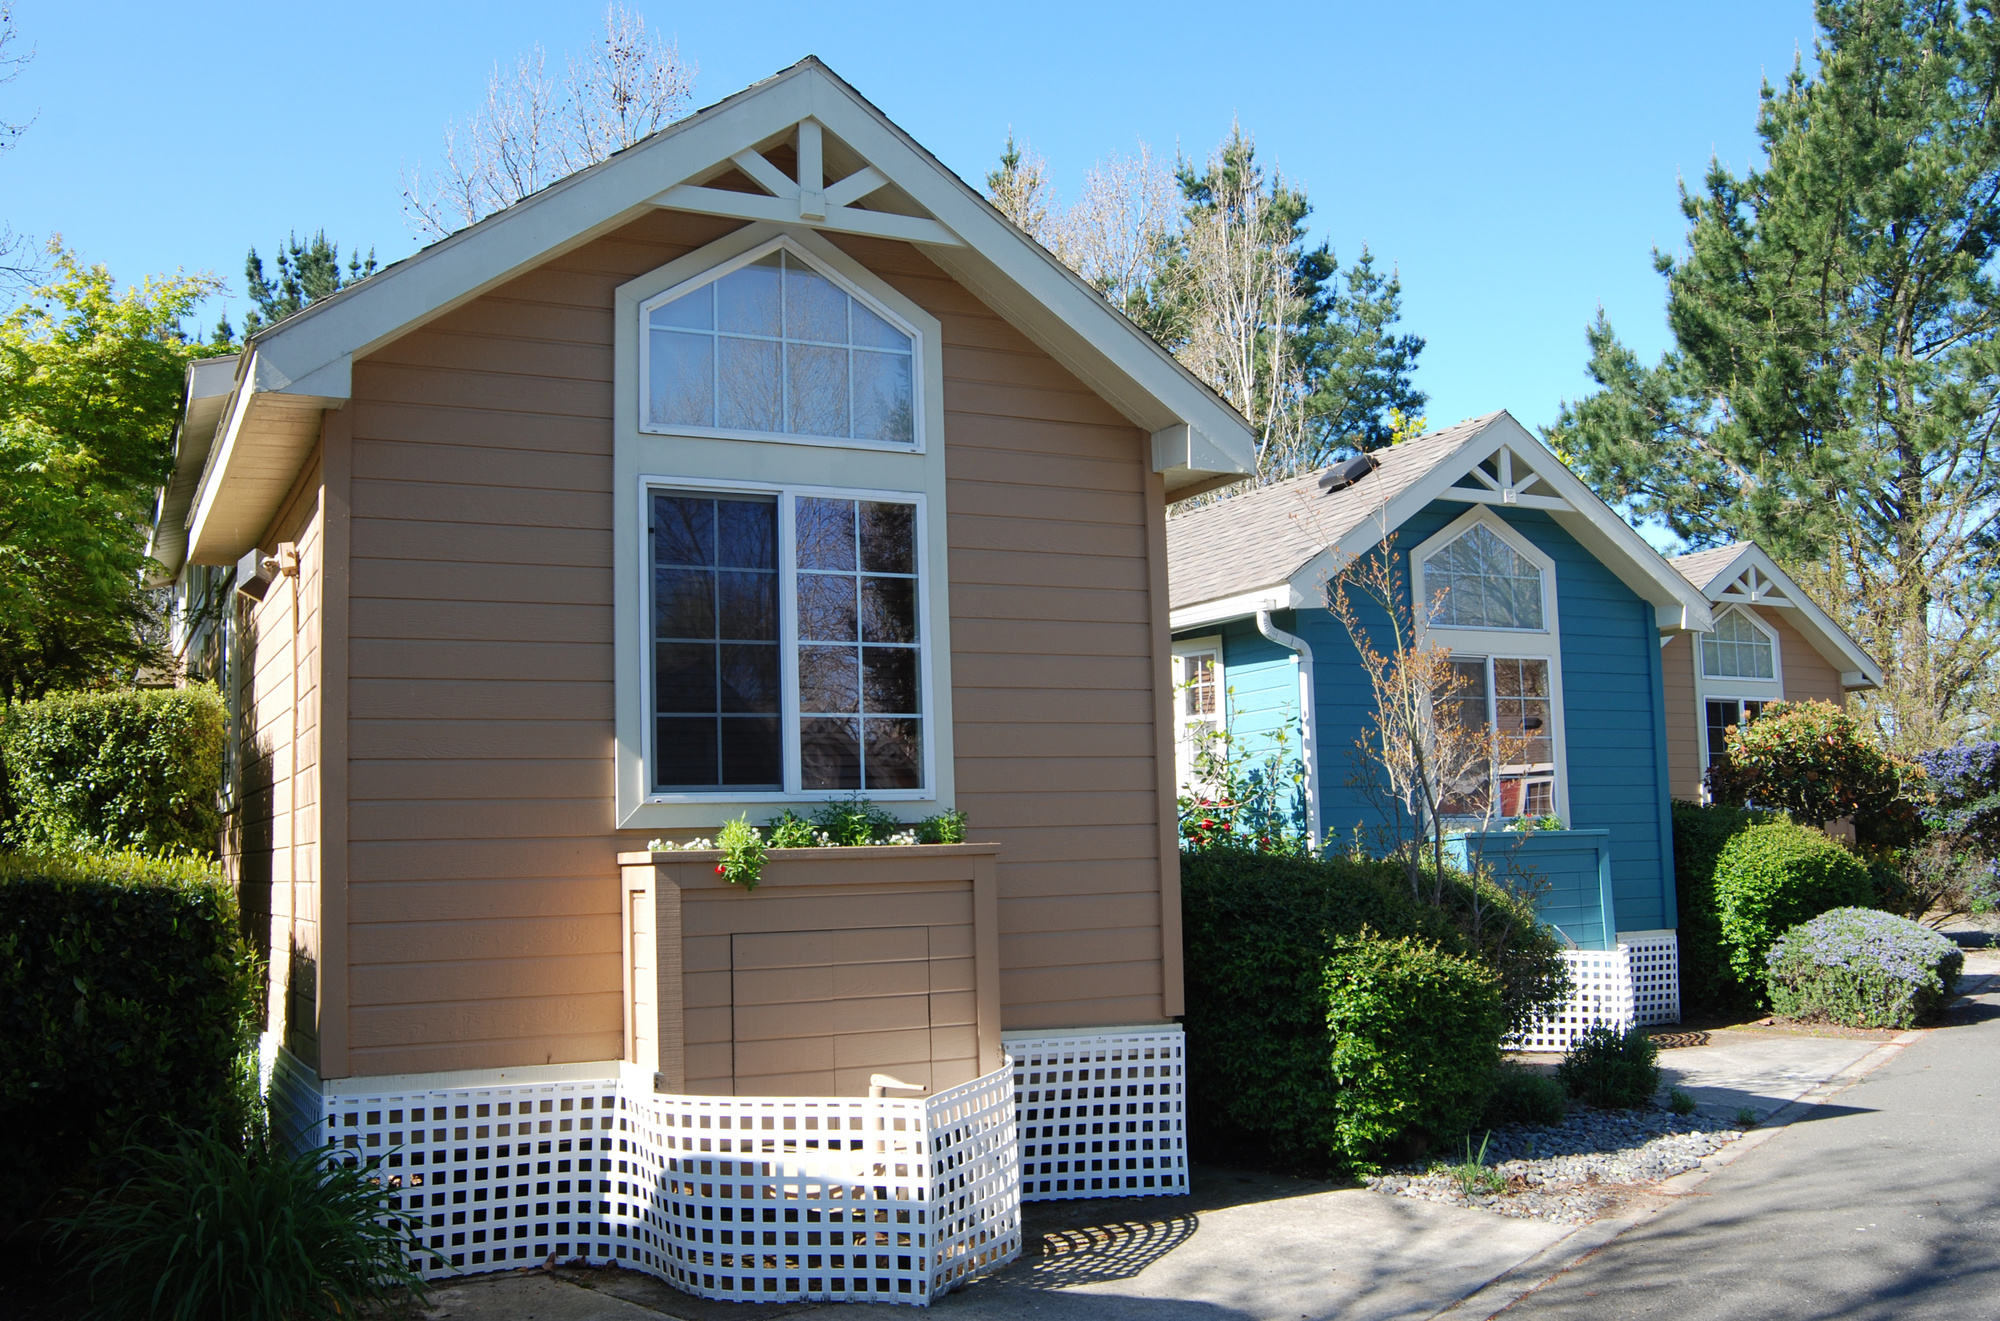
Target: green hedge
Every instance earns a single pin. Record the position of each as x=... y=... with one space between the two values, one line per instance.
x=127 y=998
x=135 y=768
x=1707 y=983
x=1258 y=931
x=1771 y=877
x=1416 y=1042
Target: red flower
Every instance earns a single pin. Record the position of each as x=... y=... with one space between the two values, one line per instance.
x=718 y=869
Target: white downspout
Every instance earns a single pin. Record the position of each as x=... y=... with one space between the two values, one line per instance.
x=1302 y=657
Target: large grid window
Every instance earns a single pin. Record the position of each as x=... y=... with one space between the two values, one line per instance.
x=1724 y=714
x=787 y=647
x=1513 y=697
x=777 y=346
x=1479 y=581
x=1737 y=649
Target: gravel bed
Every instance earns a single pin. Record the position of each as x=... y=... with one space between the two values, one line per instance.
x=1574 y=1171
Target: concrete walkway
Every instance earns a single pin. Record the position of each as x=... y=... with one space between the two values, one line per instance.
x=1882 y=1200
x=1257 y=1247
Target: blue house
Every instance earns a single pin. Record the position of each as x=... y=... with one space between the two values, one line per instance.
x=1554 y=611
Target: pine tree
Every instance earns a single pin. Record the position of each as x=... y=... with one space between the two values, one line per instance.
x=307 y=272
x=1833 y=389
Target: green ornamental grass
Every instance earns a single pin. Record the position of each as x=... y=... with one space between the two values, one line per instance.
x=204 y=1231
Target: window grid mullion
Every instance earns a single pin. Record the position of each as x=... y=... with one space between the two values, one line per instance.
x=788 y=639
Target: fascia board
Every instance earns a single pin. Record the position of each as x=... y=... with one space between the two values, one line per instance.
x=211 y=383
x=564 y=216
x=234 y=504
x=1278 y=596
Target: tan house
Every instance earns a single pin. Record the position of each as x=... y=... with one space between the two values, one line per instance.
x=760 y=465
x=1770 y=643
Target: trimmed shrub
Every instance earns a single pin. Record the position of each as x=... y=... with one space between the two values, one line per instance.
x=1523 y=1096
x=1814 y=760
x=1771 y=877
x=127 y=999
x=1700 y=831
x=1416 y=1038
x=1863 y=968
x=137 y=768
x=1259 y=929
x=1612 y=1069
x=204 y=1230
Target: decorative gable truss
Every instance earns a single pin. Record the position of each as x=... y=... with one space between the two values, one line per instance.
x=1506 y=477
x=804 y=195
x=1752 y=587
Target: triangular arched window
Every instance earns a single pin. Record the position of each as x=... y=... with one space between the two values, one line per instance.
x=1479 y=581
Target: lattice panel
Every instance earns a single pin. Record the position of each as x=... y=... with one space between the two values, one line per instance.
x=1636 y=983
x=1101 y=1116
x=490 y=1177
x=975 y=1179
x=1656 y=977
x=740 y=1199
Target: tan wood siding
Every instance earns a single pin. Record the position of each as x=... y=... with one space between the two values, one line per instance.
x=485 y=907
x=271 y=837
x=1684 y=768
x=1809 y=676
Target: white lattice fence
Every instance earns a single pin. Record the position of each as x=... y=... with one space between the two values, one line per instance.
x=1101 y=1116
x=742 y=1199
x=1638 y=983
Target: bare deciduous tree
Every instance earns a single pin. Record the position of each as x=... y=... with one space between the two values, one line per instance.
x=19 y=266
x=536 y=128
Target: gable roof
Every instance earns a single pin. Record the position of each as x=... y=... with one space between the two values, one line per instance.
x=1269 y=549
x=887 y=185
x=1743 y=573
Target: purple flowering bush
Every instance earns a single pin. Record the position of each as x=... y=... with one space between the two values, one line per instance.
x=1863 y=968
x=1964 y=792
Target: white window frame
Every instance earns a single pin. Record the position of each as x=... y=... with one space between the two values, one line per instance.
x=1707 y=689
x=763 y=461
x=788 y=643
x=1490 y=644
x=791 y=245
x=1211 y=644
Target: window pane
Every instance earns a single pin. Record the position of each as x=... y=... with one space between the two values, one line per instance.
x=895 y=754
x=749 y=393
x=748 y=606
x=684 y=677
x=815 y=308
x=751 y=755
x=826 y=607
x=890 y=679
x=826 y=533
x=888 y=537
x=1721 y=715
x=818 y=390
x=683 y=603
x=683 y=530
x=747 y=534
x=1484 y=582
x=681 y=375
x=747 y=300
x=884 y=402
x=1198 y=679
x=829 y=679
x=684 y=752
x=691 y=311
x=873 y=331
x=749 y=675
x=888 y=610
x=829 y=754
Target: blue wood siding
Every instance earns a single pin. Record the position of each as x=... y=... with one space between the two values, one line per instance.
x=1613 y=709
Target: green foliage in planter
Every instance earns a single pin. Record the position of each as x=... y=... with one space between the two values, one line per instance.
x=1416 y=1038
x=743 y=852
x=1258 y=930
x=1522 y=1096
x=944 y=828
x=135 y=768
x=1863 y=968
x=1612 y=1069
x=855 y=821
x=1773 y=876
x=204 y=1230
x=127 y=1001
x=1707 y=983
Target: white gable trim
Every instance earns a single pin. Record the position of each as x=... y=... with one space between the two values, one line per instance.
x=1754 y=577
x=1557 y=491
x=308 y=355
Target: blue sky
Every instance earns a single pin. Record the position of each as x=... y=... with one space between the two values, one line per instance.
x=1516 y=163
